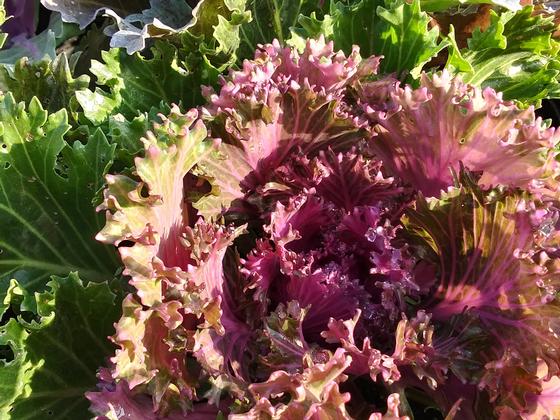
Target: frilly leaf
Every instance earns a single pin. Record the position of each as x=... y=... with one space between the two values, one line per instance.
x=382 y=28
x=156 y=221
x=132 y=84
x=366 y=359
x=51 y=81
x=273 y=20
x=516 y=54
x=182 y=300
x=545 y=403
x=393 y=410
x=496 y=288
x=505 y=144
x=279 y=103
x=314 y=392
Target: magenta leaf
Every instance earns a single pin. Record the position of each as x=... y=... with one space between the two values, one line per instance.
x=424 y=134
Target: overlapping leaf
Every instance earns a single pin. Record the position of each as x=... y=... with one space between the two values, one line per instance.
x=213 y=39
x=135 y=21
x=48 y=221
x=51 y=81
x=278 y=103
x=494 y=275
x=516 y=54
x=137 y=84
x=397 y=30
x=273 y=19
x=321 y=155
x=56 y=356
x=475 y=127
x=155 y=224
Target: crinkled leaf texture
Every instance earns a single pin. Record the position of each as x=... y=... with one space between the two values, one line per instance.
x=155 y=223
x=313 y=393
x=131 y=84
x=203 y=320
x=47 y=187
x=298 y=289
x=175 y=265
x=51 y=81
x=495 y=297
x=281 y=103
x=56 y=355
x=273 y=20
x=475 y=128
x=513 y=51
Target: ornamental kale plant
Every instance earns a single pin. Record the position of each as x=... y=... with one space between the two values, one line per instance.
x=357 y=247
x=343 y=209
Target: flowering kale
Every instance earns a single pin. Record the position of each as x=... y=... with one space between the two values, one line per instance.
x=286 y=263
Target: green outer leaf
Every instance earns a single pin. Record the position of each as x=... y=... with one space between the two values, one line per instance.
x=137 y=84
x=211 y=43
x=50 y=81
x=12 y=294
x=15 y=374
x=455 y=60
x=55 y=359
x=356 y=24
x=127 y=133
x=516 y=55
x=407 y=42
x=46 y=192
x=207 y=12
x=272 y=19
x=398 y=30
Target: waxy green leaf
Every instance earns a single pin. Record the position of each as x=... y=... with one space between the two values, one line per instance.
x=48 y=220
x=131 y=85
x=51 y=81
x=56 y=356
x=397 y=30
x=272 y=19
x=516 y=55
